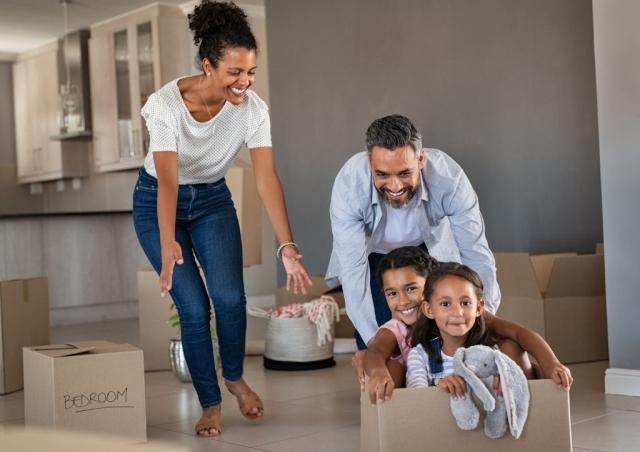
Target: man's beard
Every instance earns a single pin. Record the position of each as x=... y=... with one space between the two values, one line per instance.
x=397 y=203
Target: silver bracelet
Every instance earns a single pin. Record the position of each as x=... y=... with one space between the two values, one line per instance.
x=284 y=245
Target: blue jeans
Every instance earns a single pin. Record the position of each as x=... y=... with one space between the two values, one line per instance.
x=207 y=229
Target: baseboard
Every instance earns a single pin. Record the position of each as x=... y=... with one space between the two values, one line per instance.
x=73 y=315
x=622 y=382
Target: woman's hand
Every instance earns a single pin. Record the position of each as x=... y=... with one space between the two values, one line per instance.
x=560 y=375
x=297 y=276
x=454 y=385
x=380 y=386
x=171 y=255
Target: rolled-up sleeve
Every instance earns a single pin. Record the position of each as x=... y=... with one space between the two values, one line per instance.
x=350 y=247
x=467 y=226
x=162 y=136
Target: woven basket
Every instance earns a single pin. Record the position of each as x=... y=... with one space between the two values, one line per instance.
x=292 y=343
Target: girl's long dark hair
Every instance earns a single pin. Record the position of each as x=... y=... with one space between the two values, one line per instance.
x=407 y=256
x=425 y=331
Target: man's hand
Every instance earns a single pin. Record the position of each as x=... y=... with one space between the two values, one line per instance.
x=357 y=362
x=380 y=387
x=454 y=385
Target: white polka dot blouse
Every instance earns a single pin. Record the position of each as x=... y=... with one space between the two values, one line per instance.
x=205 y=150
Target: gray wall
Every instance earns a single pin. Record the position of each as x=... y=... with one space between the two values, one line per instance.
x=617 y=50
x=507 y=87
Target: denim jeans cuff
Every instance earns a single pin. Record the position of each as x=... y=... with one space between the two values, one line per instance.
x=210 y=404
x=233 y=377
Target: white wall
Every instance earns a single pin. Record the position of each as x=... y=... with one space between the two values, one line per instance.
x=617 y=56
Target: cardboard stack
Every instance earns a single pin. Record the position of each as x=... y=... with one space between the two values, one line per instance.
x=95 y=386
x=242 y=185
x=24 y=321
x=153 y=315
x=560 y=296
x=344 y=328
x=416 y=420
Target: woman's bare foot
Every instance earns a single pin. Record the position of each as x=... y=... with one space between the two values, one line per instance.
x=209 y=423
x=248 y=401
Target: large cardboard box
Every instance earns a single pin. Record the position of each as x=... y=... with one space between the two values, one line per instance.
x=95 y=386
x=24 y=321
x=561 y=296
x=242 y=185
x=153 y=315
x=153 y=319
x=417 y=420
x=344 y=328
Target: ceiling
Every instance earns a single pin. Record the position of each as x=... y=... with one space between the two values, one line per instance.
x=25 y=24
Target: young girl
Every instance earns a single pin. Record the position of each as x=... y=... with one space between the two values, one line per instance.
x=402 y=275
x=452 y=317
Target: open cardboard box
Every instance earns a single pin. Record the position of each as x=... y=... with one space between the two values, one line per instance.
x=418 y=420
x=560 y=296
x=344 y=328
x=93 y=386
x=24 y=321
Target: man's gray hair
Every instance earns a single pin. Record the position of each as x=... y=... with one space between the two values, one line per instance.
x=392 y=132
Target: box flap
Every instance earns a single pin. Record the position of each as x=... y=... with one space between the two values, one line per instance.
x=599 y=248
x=542 y=264
x=401 y=425
x=61 y=350
x=577 y=276
x=516 y=276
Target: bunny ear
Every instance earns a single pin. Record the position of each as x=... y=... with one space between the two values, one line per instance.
x=515 y=391
x=472 y=380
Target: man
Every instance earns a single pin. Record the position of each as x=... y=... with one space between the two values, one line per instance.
x=397 y=194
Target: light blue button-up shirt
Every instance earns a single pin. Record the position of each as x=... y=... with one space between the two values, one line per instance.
x=448 y=216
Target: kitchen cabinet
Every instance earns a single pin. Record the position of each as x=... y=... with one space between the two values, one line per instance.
x=130 y=57
x=36 y=81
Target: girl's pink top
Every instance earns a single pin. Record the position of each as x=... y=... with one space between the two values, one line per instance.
x=400 y=331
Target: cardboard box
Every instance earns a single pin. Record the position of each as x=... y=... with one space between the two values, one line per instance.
x=34 y=439
x=417 y=420
x=344 y=328
x=153 y=315
x=561 y=296
x=24 y=321
x=242 y=185
x=599 y=248
x=95 y=386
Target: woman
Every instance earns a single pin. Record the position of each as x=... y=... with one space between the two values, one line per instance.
x=182 y=208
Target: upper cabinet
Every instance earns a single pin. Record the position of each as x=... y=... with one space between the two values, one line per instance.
x=130 y=57
x=36 y=84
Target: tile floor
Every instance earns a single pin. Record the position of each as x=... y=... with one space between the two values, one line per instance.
x=319 y=410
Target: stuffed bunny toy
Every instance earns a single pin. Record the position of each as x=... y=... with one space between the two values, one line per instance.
x=477 y=365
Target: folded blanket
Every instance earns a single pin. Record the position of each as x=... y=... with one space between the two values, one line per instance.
x=322 y=312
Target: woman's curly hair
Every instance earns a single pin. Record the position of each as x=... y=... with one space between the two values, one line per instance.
x=217 y=26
